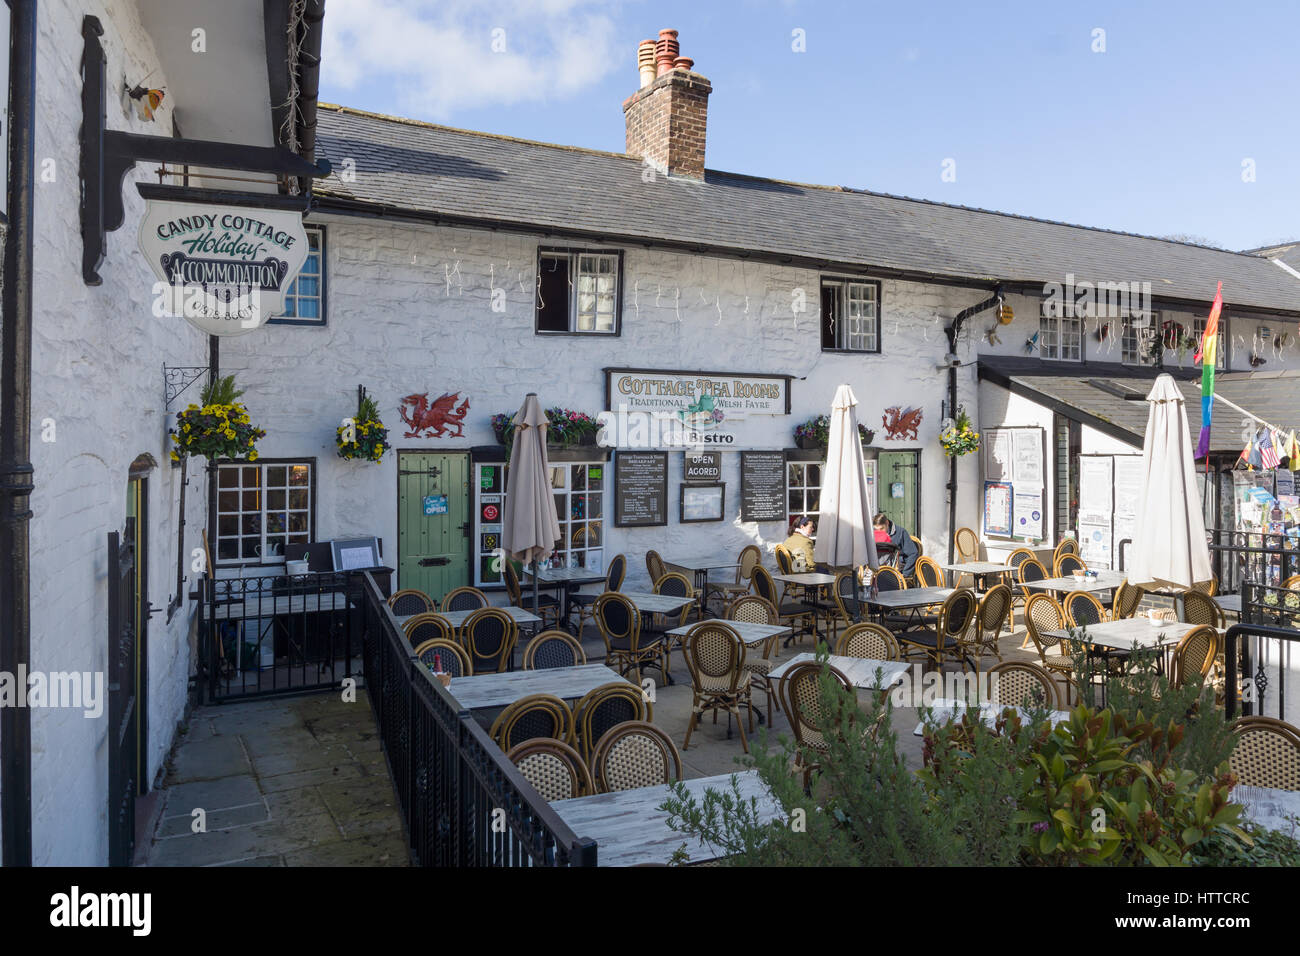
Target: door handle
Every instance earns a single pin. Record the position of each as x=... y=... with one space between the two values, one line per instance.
x=434 y=562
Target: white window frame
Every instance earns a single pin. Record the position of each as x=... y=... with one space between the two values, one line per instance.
x=1134 y=348
x=588 y=301
x=803 y=486
x=292 y=296
x=263 y=510
x=1052 y=335
x=857 y=327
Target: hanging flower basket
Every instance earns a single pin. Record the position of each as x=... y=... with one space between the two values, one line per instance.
x=218 y=428
x=959 y=437
x=565 y=429
x=364 y=438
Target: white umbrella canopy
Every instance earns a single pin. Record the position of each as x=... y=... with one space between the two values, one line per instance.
x=844 y=533
x=1169 y=545
x=529 y=526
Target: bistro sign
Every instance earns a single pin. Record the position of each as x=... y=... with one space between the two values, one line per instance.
x=223 y=268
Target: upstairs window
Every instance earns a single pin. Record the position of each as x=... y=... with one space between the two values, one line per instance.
x=579 y=292
x=1060 y=335
x=1137 y=339
x=850 y=315
x=304 y=299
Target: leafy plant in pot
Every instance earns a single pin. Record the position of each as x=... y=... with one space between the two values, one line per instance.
x=816 y=433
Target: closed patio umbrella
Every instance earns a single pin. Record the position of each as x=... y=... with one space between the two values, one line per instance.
x=844 y=533
x=1169 y=546
x=529 y=527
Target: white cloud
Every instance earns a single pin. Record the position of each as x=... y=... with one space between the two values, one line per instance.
x=438 y=57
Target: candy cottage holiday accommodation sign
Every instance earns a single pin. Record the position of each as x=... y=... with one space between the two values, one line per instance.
x=223 y=268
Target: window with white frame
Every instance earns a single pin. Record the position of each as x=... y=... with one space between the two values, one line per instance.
x=264 y=511
x=1221 y=344
x=1137 y=339
x=850 y=315
x=304 y=298
x=1060 y=335
x=578 y=291
x=803 y=484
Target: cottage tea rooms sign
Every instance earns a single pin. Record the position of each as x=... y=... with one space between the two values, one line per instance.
x=223 y=268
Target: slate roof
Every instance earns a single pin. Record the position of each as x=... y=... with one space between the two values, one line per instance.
x=1098 y=393
x=476 y=178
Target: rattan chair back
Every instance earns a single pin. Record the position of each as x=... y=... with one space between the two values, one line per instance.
x=632 y=755
x=993 y=610
x=890 y=579
x=1200 y=608
x=654 y=565
x=553 y=649
x=410 y=601
x=1020 y=684
x=1067 y=564
x=1194 y=655
x=967 y=543
x=448 y=655
x=1017 y=557
x=1043 y=614
x=428 y=627
x=928 y=573
x=1211 y=587
x=1067 y=546
x=1031 y=570
x=608 y=706
x=1267 y=753
x=553 y=768
x=513 y=591
x=715 y=657
x=537 y=715
x=464 y=599
x=868 y=640
x=784 y=560
x=1082 y=609
x=751 y=556
x=752 y=609
x=801 y=697
x=489 y=634
x=761 y=581
x=957 y=614
x=615 y=573
x=1126 y=601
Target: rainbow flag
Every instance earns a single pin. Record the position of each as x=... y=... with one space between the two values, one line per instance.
x=1207 y=355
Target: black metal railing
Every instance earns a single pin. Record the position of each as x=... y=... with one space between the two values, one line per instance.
x=274 y=633
x=1241 y=556
x=1257 y=658
x=463 y=802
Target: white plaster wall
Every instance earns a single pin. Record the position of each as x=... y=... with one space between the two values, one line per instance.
x=409 y=310
x=98 y=392
x=1094 y=442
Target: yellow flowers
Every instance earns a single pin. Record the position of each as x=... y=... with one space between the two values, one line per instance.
x=252 y=456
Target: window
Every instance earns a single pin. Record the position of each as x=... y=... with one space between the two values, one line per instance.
x=579 y=490
x=1060 y=337
x=850 y=315
x=1221 y=347
x=264 y=511
x=578 y=292
x=1137 y=341
x=803 y=483
x=304 y=300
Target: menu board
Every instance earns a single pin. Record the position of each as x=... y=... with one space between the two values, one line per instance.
x=1027 y=514
x=762 y=486
x=1013 y=459
x=997 y=507
x=640 y=489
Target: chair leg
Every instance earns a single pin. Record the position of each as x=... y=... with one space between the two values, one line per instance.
x=740 y=726
x=690 y=724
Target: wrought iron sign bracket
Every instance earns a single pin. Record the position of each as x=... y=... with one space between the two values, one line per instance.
x=108 y=155
x=177 y=378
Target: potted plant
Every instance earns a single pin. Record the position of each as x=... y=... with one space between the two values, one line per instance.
x=565 y=429
x=364 y=436
x=219 y=427
x=958 y=437
x=816 y=433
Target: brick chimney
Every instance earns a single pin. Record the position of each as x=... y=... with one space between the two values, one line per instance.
x=667 y=117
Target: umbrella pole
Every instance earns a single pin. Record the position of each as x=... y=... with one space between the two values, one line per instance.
x=536 y=586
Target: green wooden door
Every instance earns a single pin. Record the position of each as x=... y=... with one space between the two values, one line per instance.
x=432 y=522
x=895 y=469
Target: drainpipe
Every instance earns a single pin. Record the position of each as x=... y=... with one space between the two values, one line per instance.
x=16 y=474
x=953 y=331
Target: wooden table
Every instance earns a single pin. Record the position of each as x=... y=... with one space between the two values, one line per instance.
x=629 y=828
x=908 y=599
x=700 y=568
x=565 y=580
x=1268 y=807
x=750 y=633
x=1121 y=635
x=979 y=569
x=457 y=618
x=946 y=709
x=649 y=603
x=498 y=690
x=806 y=580
x=1104 y=581
x=860 y=671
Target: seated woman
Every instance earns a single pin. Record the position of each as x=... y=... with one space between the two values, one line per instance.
x=800 y=544
x=900 y=541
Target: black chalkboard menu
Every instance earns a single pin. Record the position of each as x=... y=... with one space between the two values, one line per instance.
x=762 y=486
x=640 y=489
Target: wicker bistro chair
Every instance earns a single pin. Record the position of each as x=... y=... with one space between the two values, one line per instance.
x=715 y=657
x=1126 y=600
x=751 y=556
x=1082 y=609
x=799 y=617
x=1020 y=683
x=1043 y=614
x=537 y=715
x=632 y=755
x=585 y=604
x=673 y=584
x=553 y=768
x=950 y=633
x=1267 y=753
x=654 y=566
x=1067 y=546
x=428 y=627
x=753 y=609
x=1200 y=608
x=928 y=573
x=627 y=647
x=548 y=608
x=464 y=599
x=967 y=544
x=1211 y=587
x=448 y=655
x=891 y=579
x=409 y=601
x=1067 y=564
x=605 y=707
x=553 y=649
x=489 y=634
x=844 y=592
x=994 y=610
x=869 y=641
x=1194 y=655
x=801 y=698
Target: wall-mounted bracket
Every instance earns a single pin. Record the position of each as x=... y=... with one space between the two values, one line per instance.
x=177 y=378
x=107 y=155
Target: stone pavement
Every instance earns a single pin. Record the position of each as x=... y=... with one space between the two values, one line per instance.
x=289 y=782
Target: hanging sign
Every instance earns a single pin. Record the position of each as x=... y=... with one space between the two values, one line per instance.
x=435 y=504
x=224 y=269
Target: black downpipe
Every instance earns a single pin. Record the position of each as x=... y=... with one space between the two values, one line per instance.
x=953 y=331
x=16 y=473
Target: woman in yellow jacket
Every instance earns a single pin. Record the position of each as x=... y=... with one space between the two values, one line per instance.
x=800 y=544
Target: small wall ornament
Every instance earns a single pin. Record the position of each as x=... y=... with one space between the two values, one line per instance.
x=435 y=419
x=901 y=423
x=363 y=436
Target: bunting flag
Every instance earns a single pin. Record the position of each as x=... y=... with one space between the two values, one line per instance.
x=1267 y=451
x=1256 y=457
x=1207 y=355
x=1293 y=449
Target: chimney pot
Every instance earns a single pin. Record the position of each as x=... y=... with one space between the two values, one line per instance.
x=667 y=118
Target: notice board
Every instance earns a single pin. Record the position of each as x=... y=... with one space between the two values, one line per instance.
x=640 y=489
x=762 y=486
x=1013 y=458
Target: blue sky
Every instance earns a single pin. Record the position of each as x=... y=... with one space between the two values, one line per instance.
x=1149 y=136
